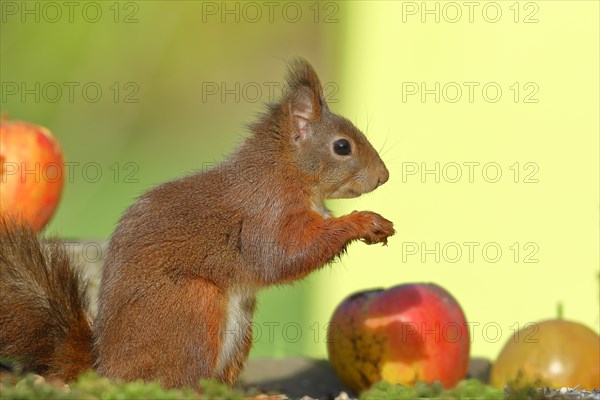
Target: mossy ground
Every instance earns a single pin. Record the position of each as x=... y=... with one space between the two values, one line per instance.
x=92 y=387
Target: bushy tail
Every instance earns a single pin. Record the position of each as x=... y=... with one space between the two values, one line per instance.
x=44 y=320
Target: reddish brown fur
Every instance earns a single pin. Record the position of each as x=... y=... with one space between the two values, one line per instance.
x=190 y=251
x=43 y=305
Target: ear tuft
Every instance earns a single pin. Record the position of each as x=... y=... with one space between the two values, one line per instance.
x=300 y=73
x=305 y=94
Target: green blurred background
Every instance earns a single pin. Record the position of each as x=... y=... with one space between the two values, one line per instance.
x=179 y=80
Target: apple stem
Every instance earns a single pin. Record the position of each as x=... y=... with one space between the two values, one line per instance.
x=559 y=310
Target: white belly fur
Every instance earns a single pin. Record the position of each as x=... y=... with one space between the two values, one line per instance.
x=238 y=321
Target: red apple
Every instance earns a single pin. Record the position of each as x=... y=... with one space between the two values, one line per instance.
x=553 y=353
x=408 y=333
x=31 y=172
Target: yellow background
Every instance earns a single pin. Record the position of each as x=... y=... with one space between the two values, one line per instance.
x=559 y=134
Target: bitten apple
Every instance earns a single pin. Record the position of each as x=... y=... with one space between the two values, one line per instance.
x=31 y=172
x=408 y=333
x=553 y=353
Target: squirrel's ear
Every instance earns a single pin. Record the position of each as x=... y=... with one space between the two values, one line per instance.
x=302 y=109
x=304 y=99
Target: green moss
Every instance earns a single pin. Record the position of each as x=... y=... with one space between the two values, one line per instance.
x=474 y=389
x=466 y=390
x=92 y=387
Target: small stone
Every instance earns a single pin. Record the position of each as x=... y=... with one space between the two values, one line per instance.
x=37 y=380
x=343 y=396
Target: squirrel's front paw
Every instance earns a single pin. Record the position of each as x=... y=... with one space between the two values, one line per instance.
x=375 y=228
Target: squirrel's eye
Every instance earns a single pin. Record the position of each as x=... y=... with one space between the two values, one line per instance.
x=342 y=147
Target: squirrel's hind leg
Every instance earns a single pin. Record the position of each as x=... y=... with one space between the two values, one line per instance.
x=170 y=335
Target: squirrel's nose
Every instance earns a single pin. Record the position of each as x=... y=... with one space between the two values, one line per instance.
x=384 y=175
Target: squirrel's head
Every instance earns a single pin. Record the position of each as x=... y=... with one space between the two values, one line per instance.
x=323 y=145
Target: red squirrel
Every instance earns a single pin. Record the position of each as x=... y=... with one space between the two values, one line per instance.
x=185 y=263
